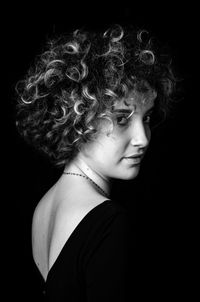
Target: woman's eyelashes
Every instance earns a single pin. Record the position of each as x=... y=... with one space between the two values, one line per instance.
x=124 y=120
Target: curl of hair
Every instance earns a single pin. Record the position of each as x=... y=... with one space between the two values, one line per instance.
x=78 y=79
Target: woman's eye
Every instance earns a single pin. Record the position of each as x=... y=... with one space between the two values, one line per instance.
x=122 y=120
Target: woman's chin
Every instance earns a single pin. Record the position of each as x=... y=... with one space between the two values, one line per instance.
x=130 y=173
x=133 y=174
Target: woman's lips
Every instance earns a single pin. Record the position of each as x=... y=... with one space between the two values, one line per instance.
x=134 y=160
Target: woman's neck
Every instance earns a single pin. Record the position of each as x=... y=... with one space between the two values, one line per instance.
x=84 y=168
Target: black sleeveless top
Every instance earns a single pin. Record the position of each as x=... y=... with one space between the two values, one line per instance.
x=93 y=265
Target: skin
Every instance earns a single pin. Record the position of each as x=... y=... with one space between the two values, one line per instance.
x=106 y=155
x=63 y=207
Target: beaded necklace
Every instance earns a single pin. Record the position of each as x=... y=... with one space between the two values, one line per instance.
x=88 y=178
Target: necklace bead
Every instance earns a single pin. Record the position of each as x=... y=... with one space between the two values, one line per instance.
x=88 y=178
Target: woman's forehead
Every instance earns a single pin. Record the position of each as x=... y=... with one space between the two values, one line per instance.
x=135 y=99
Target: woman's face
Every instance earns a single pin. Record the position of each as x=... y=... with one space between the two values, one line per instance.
x=118 y=153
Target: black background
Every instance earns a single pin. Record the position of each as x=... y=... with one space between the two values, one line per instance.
x=162 y=197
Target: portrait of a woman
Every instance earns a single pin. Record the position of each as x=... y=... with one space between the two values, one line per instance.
x=89 y=103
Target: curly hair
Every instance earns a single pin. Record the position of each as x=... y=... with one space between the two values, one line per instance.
x=76 y=81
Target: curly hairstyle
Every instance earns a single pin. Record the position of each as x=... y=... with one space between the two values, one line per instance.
x=76 y=81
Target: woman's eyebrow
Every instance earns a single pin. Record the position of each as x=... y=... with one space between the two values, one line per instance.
x=122 y=110
x=125 y=111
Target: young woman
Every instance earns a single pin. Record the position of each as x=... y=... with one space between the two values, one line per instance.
x=88 y=105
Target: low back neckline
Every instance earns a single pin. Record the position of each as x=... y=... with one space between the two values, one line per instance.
x=88 y=214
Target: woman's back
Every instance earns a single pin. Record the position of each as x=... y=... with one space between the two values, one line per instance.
x=57 y=215
x=88 y=104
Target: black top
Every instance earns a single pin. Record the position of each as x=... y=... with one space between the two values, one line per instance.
x=93 y=265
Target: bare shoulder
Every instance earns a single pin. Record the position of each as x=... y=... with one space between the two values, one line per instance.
x=68 y=215
x=54 y=220
x=41 y=227
x=43 y=208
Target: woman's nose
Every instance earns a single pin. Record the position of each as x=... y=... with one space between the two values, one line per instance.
x=140 y=135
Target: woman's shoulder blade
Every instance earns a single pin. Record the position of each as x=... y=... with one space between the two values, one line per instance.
x=84 y=225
